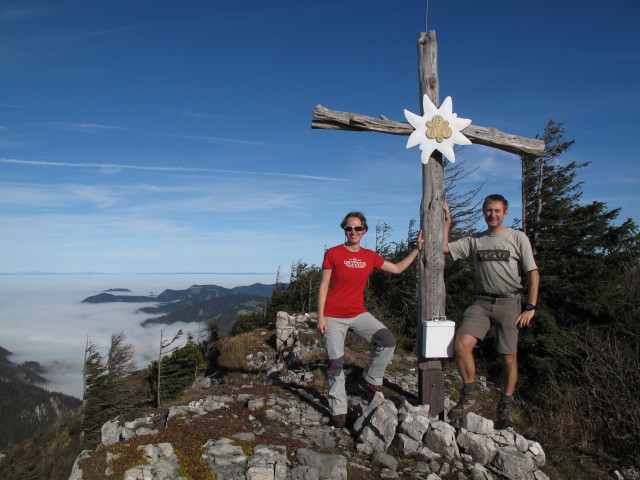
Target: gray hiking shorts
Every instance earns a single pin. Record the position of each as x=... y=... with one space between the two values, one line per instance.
x=499 y=312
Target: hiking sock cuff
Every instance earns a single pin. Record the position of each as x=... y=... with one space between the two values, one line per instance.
x=506 y=398
x=470 y=387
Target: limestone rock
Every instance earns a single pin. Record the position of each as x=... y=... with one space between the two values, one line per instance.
x=481 y=447
x=269 y=462
x=441 y=438
x=330 y=467
x=413 y=425
x=76 y=471
x=380 y=429
x=473 y=422
x=513 y=463
x=305 y=472
x=479 y=472
x=162 y=464
x=111 y=432
x=406 y=444
x=384 y=459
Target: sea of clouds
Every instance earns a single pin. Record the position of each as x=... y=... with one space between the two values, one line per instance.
x=42 y=318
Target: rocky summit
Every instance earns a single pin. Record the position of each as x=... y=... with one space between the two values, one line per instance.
x=276 y=426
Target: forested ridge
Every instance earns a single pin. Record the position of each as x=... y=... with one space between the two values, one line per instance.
x=27 y=408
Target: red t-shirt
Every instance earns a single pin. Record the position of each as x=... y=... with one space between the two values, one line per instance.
x=349 y=274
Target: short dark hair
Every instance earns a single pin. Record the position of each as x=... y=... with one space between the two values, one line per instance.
x=494 y=197
x=358 y=215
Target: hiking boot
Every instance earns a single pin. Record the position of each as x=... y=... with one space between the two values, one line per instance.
x=339 y=421
x=469 y=402
x=504 y=415
x=370 y=388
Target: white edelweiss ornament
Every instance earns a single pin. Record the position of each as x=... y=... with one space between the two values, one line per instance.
x=438 y=129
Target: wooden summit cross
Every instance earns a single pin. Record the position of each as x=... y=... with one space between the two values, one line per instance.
x=431 y=291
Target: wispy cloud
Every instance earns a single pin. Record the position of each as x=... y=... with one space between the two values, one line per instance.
x=11 y=143
x=2 y=127
x=31 y=195
x=221 y=139
x=107 y=32
x=9 y=105
x=21 y=12
x=81 y=127
x=201 y=115
x=164 y=169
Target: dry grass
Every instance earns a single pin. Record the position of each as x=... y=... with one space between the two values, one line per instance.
x=314 y=358
x=233 y=351
x=319 y=380
x=310 y=339
x=236 y=378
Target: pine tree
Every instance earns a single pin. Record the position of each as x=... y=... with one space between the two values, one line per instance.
x=299 y=296
x=248 y=323
x=393 y=298
x=179 y=368
x=97 y=397
x=110 y=386
x=127 y=391
x=583 y=255
x=575 y=358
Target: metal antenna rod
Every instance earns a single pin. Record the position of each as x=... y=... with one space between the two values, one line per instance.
x=426 y=17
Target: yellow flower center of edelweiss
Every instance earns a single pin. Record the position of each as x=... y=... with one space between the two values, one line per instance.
x=438 y=129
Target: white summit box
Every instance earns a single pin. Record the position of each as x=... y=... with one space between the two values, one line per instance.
x=437 y=338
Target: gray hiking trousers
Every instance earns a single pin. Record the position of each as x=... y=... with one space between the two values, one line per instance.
x=370 y=329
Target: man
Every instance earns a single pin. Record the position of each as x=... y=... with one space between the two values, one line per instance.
x=499 y=255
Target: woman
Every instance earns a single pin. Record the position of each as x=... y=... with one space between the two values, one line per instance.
x=345 y=271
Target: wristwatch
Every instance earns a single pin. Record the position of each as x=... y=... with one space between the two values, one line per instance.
x=530 y=307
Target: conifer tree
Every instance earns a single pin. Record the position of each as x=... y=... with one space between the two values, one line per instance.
x=577 y=353
x=583 y=252
x=109 y=385
x=299 y=296
x=121 y=381
x=177 y=367
x=98 y=401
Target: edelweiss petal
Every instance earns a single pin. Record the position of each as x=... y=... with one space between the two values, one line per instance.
x=438 y=129
x=428 y=107
x=415 y=139
x=447 y=108
x=459 y=139
x=427 y=150
x=447 y=151
x=461 y=123
x=415 y=120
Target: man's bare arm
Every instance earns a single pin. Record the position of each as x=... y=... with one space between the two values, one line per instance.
x=447 y=227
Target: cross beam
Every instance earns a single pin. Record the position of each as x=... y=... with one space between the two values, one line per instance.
x=326 y=119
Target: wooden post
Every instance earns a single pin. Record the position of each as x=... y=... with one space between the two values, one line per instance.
x=431 y=290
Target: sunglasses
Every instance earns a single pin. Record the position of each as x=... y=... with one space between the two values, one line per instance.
x=357 y=228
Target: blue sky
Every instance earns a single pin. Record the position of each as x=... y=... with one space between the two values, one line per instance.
x=160 y=136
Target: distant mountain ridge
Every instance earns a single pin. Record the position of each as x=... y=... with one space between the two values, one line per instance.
x=207 y=292
x=111 y=298
x=197 y=292
x=198 y=303
x=221 y=310
x=28 y=372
